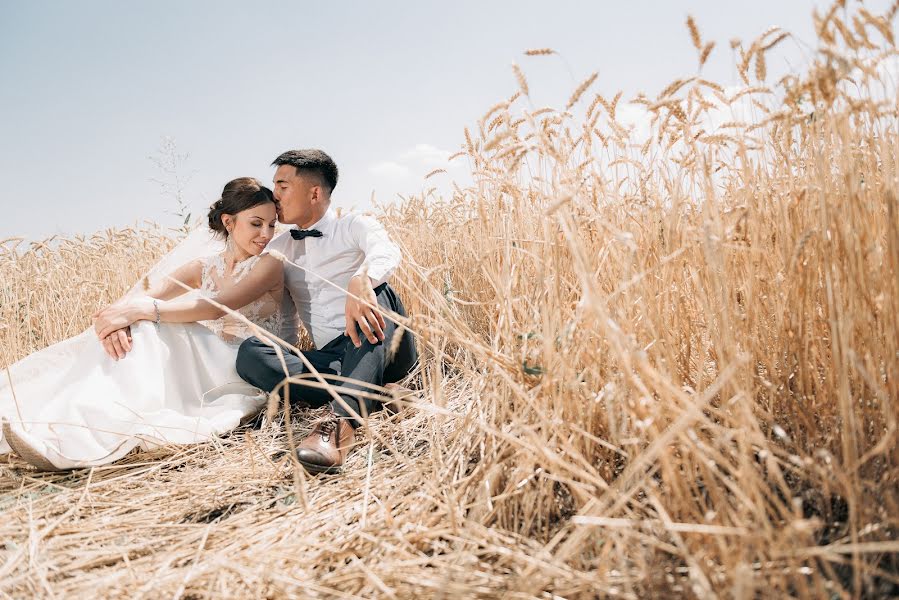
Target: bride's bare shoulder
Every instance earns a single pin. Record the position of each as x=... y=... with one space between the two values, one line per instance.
x=272 y=272
x=190 y=273
x=187 y=276
x=271 y=265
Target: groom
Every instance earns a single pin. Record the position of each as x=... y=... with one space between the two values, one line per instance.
x=330 y=254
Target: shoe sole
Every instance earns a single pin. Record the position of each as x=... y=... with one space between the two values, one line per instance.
x=319 y=469
x=25 y=451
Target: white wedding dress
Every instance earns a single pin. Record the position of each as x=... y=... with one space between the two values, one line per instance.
x=71 y=406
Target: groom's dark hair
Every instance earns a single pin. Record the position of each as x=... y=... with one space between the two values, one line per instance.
x=311 y=161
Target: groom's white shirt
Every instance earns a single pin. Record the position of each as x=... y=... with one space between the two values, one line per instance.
x=350 y=244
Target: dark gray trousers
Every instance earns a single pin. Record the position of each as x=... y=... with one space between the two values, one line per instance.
x=258 y=364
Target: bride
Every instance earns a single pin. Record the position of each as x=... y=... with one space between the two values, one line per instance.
x=76 y=404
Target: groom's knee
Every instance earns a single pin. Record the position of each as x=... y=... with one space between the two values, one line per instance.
x=249 y=359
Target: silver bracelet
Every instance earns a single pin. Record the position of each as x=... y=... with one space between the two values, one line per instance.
x=158 y=316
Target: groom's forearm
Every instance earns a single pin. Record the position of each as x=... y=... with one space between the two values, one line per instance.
x=357 y=282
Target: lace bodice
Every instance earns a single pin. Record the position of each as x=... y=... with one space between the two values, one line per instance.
x=264 y=312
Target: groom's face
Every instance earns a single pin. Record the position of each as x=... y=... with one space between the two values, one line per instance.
x=297 y=196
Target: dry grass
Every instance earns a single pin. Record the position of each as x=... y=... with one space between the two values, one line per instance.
x=50 y=289
x=659 y=361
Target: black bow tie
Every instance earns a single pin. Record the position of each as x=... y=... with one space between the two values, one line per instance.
x=299 y=234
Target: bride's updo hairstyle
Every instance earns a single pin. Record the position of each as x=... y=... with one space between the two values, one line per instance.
x=239 y=195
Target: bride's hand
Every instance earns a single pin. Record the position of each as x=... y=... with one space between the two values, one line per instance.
x=118 y=343
x=120 y=316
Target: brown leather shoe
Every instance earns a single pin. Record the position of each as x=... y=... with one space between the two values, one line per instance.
x=325 y=449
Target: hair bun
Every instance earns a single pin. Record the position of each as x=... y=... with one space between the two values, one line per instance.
x=215 y=216
x=238 y=195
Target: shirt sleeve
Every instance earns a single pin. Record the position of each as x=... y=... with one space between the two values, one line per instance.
x=382 y=256
x=278 y=244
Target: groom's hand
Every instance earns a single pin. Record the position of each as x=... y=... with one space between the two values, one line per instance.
x=117 y=343
x=370 y=322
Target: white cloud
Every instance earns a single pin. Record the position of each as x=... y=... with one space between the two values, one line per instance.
x=414 y=162
x=426 y=155
x=389 y=170
x=403 y=173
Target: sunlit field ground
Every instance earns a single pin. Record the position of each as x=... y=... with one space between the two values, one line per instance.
x=660 y=358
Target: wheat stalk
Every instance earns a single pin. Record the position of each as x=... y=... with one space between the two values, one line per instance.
x=522 y=82
x=694 y=33
x=579 y=91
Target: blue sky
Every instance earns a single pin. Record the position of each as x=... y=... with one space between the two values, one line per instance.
x=88 y=89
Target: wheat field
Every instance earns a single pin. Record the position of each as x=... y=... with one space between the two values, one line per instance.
x=660 y=358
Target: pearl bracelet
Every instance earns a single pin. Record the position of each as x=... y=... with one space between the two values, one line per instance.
x=158 y=316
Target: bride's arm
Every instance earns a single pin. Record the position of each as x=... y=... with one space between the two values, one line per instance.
x=266 y=275
x=172 y=286
x=189 y=275
x=117 y=343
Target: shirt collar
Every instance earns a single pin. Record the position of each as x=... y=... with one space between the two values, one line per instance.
x=326 y=219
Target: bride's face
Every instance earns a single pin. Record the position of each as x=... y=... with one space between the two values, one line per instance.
x=253 y=228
